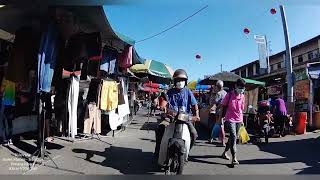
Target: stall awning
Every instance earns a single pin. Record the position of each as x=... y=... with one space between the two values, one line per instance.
x=314 y=70
x=91 y=18
x=251 y=81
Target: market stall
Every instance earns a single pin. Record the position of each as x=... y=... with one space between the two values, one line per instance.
x=94 y=61
x=229 y=79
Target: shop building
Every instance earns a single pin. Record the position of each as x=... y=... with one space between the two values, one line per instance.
x=305 y=96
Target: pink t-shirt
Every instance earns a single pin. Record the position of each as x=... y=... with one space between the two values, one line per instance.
x=234 y=108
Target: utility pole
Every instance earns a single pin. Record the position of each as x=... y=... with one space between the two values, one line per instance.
x=288 y=57
x=221 y=67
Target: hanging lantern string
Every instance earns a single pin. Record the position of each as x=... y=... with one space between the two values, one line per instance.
x=180 y=22
x=250 y=24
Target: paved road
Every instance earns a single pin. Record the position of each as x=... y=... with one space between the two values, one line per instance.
x=131 y=152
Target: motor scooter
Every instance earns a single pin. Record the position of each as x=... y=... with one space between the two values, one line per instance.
x=175 y=144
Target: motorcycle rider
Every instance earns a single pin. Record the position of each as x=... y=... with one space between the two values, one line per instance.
x=179 y=97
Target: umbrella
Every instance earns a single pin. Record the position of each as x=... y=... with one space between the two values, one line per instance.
x=194 y=85
x=228 y=79
x=156 y=71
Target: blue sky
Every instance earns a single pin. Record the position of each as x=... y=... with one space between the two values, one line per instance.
x=215 y=33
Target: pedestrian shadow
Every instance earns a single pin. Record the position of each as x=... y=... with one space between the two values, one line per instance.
x=198 y=159
x=125 y=160
x=302 y=151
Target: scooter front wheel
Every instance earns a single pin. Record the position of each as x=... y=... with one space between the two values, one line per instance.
x=181 y=162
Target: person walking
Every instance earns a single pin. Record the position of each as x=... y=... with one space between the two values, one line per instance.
x=280 y=115
x=233 y=106
x=216 y=107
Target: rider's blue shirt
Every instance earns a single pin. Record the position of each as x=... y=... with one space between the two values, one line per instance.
x=178 y=99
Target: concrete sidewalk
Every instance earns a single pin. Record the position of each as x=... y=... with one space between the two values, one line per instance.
x=131 y=152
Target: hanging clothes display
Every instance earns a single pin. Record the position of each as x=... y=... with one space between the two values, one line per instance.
x=109 y=95
x=7 y=108
x=9 y=93
x=114 y=120
x=109 y=58
x=121 y=116
x=47 y=59
x=92 y=118
x=125 y=58
x=94 y=89
x=124 y=109
x=121 y=93
x=73 y=105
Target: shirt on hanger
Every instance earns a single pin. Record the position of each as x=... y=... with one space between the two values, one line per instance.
x=9 y=93
x=109 y=95
x=125 y=58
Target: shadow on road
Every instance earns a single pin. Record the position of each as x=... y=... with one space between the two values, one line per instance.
x=126 y=160
x=304 y=151
x=149 y=126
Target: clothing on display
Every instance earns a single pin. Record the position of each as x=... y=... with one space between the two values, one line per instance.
x=93 y=67
x=67 y=74
x=125 y=58
x=93 y=94
x=109 y=67
x=9 y=93
x=121 y=93
x=109 y=95
x=109 y=58
x=73 y=105
x=92 y=117
x=119 y=117
x=124 y=109
x=60 y=104
x=23 y=55
x=47 y=59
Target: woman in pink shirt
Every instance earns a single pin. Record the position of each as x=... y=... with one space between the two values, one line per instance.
x=233 y=105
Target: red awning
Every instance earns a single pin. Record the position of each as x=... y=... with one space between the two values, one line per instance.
x=152 y=85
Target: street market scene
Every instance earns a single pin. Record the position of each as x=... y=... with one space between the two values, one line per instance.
x=126 y=88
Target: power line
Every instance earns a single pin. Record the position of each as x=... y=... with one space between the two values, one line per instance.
x=173 y=25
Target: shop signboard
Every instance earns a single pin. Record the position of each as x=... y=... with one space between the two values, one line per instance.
x=302 y=89
x=262 y=49
x=274 y=90
x=301 y=75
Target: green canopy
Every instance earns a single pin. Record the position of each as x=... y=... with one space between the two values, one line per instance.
x=251 y=81
x=125 y=38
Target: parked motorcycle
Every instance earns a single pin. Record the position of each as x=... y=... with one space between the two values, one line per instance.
x=175 y=145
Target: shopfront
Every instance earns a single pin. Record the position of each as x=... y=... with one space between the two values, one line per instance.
x=69 y=58
x=313 y=70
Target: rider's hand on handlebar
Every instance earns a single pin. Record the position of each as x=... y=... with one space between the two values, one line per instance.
x=172 y=113
x=195 y=119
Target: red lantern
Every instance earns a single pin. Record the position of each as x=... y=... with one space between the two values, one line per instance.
x=273 y=11
x=198 y=56
x=246 y=30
